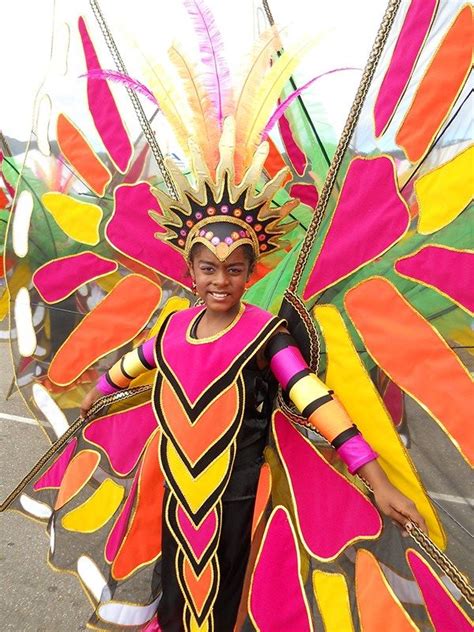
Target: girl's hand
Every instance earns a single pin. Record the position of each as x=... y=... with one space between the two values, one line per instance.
x=389 y=499
x=397 y=506
x=92 y=396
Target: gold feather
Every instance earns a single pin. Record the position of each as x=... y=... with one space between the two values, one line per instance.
x=172 y=106
x=258 y=65
x=268 y=94
x=204 y=124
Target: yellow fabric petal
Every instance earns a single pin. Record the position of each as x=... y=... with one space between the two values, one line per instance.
x=357 y=393
x=333 y=601
x=79 y=220
x=197 y=490
x=444 y=192
x=97 y=510
x=174 y=304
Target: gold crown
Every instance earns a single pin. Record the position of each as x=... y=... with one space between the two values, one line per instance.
x=220 y=213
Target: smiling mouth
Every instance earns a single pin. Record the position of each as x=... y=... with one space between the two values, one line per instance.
x=219 y=295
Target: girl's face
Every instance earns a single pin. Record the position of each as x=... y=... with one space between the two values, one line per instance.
x=220 y=284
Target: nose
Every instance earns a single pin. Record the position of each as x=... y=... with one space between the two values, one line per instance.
x=221 y=278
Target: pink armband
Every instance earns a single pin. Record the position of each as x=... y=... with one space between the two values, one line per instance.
x=356 y=452
x=287 y=363
x=104 y=387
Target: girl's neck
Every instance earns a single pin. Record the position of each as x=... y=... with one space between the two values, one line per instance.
x=214 y=322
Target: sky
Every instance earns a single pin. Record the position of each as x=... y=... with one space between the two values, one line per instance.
x=345 y=30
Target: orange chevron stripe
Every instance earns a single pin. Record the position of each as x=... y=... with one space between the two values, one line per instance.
x=199 y=586
x=195 y=439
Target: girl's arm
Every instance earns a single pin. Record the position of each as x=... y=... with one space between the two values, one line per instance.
x=316 y=402
x=119 y=376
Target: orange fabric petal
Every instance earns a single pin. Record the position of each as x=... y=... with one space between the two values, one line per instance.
x=415 y=357
x=263 y=494
x=81 y=156
x=115 y=321
x=195 y=439
x=142 y=543
x=379 y=608
x=438 y=89
x=78 y=472
x=274 y=162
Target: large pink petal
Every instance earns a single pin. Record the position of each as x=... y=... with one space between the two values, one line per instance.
x=123 y=435
x=103 y=108
x=451 y=272
x=131 y=231
x=444 y=612
x=277 y=600
x=58 y=279
x=369 y=218
x=319 y=492
x=412 y=36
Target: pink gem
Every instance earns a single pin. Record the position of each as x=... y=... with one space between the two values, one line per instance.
x=229 y=241
x=249 y=219
x=261 y=237
x=198 y=215
x=224 y=208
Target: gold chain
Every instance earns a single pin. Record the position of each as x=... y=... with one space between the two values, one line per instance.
x=430 y=548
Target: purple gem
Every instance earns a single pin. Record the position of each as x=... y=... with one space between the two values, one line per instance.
x=198 y=215
x=249 y=219
x=215 y=241
x=229 y=241
x=224 y=208
x=202 y=232
x=182 y=233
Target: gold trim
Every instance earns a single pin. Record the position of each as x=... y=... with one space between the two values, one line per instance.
x=219 y=334
x=221 y=219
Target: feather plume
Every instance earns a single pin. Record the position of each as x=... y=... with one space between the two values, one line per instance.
x=122 y=79
x=205 y=126
x=170 y=102
x=258 y=65
x=280 y=110
x=268 y=94
x=216 y=77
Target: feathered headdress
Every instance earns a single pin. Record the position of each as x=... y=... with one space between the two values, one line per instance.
x=226 y=124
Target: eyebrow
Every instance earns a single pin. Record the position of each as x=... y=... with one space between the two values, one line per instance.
x=229 y=265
